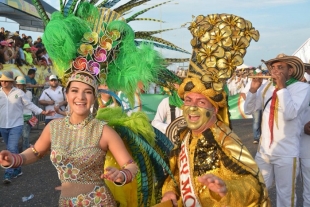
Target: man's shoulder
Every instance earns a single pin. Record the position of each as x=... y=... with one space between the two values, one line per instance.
x=299 y=86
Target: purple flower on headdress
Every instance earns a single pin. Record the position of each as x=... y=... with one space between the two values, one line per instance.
x=100 y=55
x=93 y=67
x=80 y=63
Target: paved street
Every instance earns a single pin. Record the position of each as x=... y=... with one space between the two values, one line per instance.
x=40 y=178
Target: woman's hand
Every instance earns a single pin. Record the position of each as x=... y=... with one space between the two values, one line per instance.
x=170 y=196
x=6 y=158
x=214 y=184
x=113 y=174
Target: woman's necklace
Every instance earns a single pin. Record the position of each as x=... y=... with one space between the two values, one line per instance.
x=79 y=125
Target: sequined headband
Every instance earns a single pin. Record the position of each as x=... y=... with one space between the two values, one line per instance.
x=83 y=77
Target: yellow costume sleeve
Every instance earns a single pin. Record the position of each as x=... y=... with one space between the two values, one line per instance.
x=242 y=190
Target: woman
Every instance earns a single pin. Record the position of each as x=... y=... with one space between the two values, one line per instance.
x=79 y=144
x=21 y=84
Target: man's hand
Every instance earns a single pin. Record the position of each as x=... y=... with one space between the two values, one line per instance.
x=170 y=196
x=48 y=113
x=214 y=184
x=279 y=79
x=255 y=84
x=307 y=128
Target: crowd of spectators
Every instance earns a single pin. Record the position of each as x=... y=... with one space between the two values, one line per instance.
x=22 y=50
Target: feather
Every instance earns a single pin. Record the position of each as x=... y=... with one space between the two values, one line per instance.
x=143 y=11
x=67 y=7
x=41 y=11
x=148 y=19
x=143 y=162
x=176 y=60
x=163 y=141
x=72 y=7
x=149 y=33
x=128 y=6
x=162 y=45
x=111 y=3
x=119 y=101
x=94 y=2
x=102 y=3
x=61 y=4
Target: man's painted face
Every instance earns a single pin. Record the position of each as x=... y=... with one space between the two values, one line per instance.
x=197 y=111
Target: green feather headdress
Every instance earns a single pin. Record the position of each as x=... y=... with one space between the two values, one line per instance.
x=91 y=37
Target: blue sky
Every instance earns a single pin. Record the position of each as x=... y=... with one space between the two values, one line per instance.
x=284 y=25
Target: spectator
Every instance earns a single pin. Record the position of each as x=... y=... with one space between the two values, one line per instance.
x=39 y=43
x=282 y=100
x=31 y=81
x=21 y=84
x=2 y=34
x=305 y=156
x=13 y=101
x=167 y=111
x=53 y=96
x=28 y=54
x=257 y=115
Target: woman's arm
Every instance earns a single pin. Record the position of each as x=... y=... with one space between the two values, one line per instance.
x=110 y=140
x=30 y=155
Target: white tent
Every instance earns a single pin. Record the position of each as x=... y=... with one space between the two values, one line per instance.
x=303 y=52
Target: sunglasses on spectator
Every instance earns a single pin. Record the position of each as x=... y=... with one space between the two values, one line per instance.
x=54 y=80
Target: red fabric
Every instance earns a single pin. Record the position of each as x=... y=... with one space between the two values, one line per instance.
x=271 y=114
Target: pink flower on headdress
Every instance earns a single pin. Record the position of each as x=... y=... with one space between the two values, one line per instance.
x=100 y=55
x=80 y=63
x=106 y=43
x=85 y=49
x=93 y=67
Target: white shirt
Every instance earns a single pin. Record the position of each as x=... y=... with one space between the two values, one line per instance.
x=57 y=96
x=305 y=138
x=293 y=101
x=29 y=96
x=162 y=118
x=11 y=108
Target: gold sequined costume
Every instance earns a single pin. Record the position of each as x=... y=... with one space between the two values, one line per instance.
x=78 y=158
x=218 y=151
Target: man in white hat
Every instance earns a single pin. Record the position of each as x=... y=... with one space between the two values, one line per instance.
x=12 y=103
x=283 y=100
x=53 y=96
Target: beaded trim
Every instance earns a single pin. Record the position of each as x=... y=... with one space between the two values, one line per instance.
x=79 y=125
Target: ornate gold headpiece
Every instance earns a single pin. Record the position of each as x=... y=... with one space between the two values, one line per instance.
x=219 y=45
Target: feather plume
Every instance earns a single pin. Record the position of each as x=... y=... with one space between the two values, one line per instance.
x=111 y=3
x=176 y=60
x=128 y=6
x=144 y=10
x=149 y=33
x=148 y=19
x=41 y=11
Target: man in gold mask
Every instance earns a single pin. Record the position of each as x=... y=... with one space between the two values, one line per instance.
x=211 y=166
